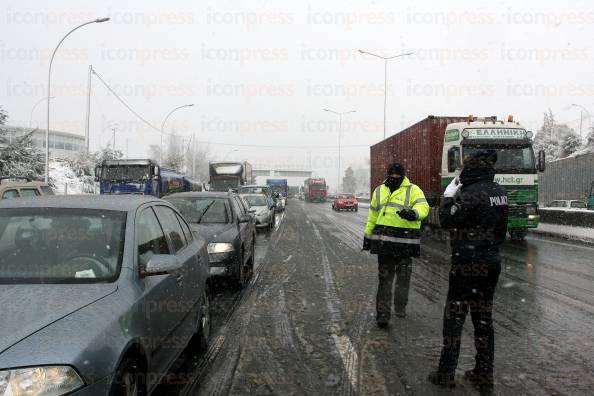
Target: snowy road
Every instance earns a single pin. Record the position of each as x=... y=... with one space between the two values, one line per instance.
x=305 y=325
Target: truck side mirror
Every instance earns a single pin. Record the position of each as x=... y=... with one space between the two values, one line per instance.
x=453 y=159
x=541 y=161
x=97 y=173
x=156 y=171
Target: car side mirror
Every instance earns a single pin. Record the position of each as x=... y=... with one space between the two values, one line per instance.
x=244 y=218
x=541 y=161
x=162 y=264
x=454 y=159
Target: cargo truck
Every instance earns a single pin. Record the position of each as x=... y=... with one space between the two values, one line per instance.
x=225 y=176
x=141 y=176
x=568 y=178
x=432 y=150
x=315 y=190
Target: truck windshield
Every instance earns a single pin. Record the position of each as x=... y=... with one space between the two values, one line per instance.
x=126 y=173
x=318 y=186
x=510 y=159
x=224 y=184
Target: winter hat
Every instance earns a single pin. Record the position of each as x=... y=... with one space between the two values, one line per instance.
x=396 y=169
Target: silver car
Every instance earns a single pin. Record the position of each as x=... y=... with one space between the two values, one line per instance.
x=263 y=209
x=100 y=294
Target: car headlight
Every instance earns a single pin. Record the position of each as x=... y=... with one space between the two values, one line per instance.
x=47 y=380
x=220 y=248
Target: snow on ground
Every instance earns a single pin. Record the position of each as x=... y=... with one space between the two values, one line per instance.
x=65 y=180
x=576 y=233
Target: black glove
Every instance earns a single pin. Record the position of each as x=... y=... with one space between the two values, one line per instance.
x=366 y=243
x=408 y=214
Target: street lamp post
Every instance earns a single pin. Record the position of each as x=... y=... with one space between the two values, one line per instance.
x=339 y=137
x=49 y=75
x=385 y=59
x=163 y=129
x=232 y=151
x=33 y=110
x=582 y=109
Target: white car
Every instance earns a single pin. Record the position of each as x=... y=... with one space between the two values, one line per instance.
x=262 y=207
x=568 y=204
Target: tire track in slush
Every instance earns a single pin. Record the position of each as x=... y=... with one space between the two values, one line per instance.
x=343 y=344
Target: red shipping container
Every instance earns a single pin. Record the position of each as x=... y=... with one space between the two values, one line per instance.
x=418 y=148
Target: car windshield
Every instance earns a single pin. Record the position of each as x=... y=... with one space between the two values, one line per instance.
x=202 y=210
x=254 y=190
x=578 y=204
x=126 y=173
x=345 y=196
x=255 y=200
x=55 y=245
x=510 y=159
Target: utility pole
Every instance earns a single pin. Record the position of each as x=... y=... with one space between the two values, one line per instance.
x=339 y=139
x=88 y=115
x=193 y=155
x=113 y=146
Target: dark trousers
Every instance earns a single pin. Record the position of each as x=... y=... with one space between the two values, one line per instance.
x=471 y=288
x=390 y=266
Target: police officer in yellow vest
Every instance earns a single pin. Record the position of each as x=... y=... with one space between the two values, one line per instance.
x=393 y=233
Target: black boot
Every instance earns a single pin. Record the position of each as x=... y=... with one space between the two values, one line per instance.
x=480 y=379
x=442 y=379
x=382 y=321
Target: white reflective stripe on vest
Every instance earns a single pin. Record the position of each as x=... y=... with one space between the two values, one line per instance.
x=378 y=204
x=407 y=196
x=418 y=200
x=410 y=241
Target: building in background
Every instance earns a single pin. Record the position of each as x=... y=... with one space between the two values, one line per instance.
x=62 y=144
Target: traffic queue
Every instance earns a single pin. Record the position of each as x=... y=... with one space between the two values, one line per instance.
x=140 y=267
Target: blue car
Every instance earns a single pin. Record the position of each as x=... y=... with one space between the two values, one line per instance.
x=100 y=294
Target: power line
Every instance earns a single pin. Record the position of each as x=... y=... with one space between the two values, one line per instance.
x=122 y=101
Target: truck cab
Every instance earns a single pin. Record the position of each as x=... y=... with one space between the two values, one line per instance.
x=516 y=168
x=591 y=197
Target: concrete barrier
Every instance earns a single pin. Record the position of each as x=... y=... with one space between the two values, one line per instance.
x=576 y=218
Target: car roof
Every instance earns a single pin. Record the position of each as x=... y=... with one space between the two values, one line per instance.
x=21 y=183
x=201 y=194
x=120 y=202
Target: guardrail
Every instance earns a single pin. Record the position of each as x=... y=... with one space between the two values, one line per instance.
x=576 y=218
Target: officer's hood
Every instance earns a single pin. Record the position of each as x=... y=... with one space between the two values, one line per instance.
x=478 y=167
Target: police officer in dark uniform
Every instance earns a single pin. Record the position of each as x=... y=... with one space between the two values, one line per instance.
x=475 y=211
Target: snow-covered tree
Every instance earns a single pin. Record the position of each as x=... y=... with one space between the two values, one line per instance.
x=107 y=153
x=349 y=183
x=588 y=145
x=3 y=116
x=21 y=159
x=174 y=154
x=557 y=140
x=570 y=144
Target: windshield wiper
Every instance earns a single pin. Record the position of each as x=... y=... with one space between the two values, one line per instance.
x=205 y=210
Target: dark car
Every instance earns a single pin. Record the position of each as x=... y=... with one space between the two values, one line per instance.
x=344 y=201
x=100 y=294
x=224 y=221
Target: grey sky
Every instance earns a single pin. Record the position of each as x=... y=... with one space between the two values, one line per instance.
x=261 y=71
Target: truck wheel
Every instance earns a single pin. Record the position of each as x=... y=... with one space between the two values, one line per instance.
x=518 y=235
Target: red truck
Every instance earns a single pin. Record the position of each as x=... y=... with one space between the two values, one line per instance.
x=432 y=151
x=315 y=190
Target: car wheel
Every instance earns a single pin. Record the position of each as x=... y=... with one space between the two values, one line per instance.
x=129 y=379
x=205 y=323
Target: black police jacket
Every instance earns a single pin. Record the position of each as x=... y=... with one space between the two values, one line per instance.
x=476 y=216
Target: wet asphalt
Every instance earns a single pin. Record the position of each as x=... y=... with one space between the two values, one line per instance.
x=306 y=322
